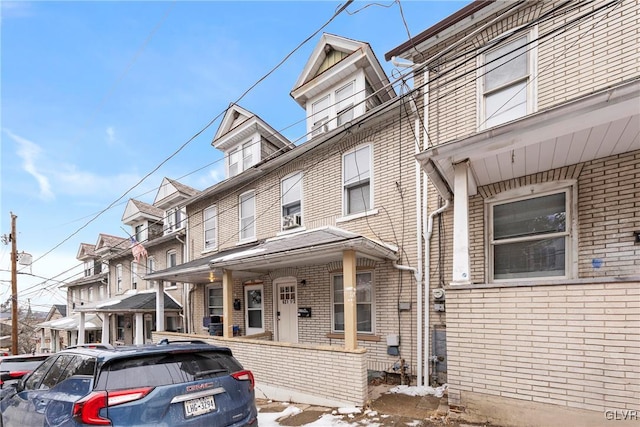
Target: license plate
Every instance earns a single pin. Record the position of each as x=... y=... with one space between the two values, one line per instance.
x=202 y=405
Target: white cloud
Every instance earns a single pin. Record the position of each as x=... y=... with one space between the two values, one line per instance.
x=30 y=152
x=111 y=135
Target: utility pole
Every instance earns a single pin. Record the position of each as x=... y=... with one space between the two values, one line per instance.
x=14 y=286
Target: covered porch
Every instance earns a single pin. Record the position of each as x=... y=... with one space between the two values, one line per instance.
x=81 y=328
x=271 y=291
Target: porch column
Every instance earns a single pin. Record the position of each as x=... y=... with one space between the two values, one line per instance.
x=55 y=341
x=350 y=303
x=227 y=303
x=106 y=320
x=52 y=343
x=139 y=320
x=81 y=329
x=160 y=306
x=461 y=264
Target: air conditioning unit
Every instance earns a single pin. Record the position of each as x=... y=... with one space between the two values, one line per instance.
x=319 y=128
x=291 y=221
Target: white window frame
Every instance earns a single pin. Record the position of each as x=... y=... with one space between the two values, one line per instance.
x=372 y=303
x=134 y=275
x=210 y=220
x=324 y=110
x=295 y=180
x=151 y=267
x=172 y=253
x=530 y=79
x=569 y=187
x=176 y=219
x=242 y=216
x=247 y=308
x=243 y=156
x=140 y=232
x=119 y=278
x=88 y=268
x=208 y=306
x=90 y=293
x=346 y=186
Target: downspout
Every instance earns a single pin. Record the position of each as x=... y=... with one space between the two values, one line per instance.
x=185 y=302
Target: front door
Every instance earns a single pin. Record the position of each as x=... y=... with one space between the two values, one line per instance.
x=287 y=310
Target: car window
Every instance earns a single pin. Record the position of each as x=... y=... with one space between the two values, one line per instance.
x=20 y=365
x=164 y=369
x=36 y=376
x=57 y=372
x=81 y=365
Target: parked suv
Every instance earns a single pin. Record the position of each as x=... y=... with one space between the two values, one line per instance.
x=178 y=383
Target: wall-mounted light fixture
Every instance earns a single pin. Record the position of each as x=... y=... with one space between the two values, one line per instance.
x=303 y=282
x=637 y=237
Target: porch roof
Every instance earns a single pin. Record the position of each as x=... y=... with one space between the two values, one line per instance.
x=307 y=247
x=598 y=125
x=91 y=323
x=140 y=302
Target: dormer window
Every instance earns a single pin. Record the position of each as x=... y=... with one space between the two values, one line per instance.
x=174 y=219
x=241 y=158
x=140 y=232
x=320 y=115
x=344 y=103
x=88 y=268
x=333 y=109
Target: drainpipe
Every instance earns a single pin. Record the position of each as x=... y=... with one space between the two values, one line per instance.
x=185 y=302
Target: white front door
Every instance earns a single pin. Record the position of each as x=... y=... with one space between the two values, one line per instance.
x=254 y=311
x=287 y=310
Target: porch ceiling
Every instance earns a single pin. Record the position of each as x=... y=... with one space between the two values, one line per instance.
x=596 y=126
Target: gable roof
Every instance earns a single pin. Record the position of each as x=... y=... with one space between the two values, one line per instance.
x=171 y=192
x=86 y=251
x=334 y=58
x=137 y=210
x=107 y=243
x=239 y=124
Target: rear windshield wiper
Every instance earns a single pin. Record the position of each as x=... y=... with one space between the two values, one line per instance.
x=202 y=374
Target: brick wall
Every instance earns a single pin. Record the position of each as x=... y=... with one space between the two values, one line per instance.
x=320 y=375
x=575 y=346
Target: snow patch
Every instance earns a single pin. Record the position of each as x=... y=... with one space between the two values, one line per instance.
x=420 y=390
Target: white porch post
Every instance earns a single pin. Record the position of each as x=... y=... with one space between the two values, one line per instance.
x=81 y=329
x=55 y=341
x=227 y=303
x=160 y=306
x=350 y=303
x=461 y=263
x=139 y=320
x=105 y=328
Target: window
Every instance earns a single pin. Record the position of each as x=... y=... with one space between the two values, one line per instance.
x=119 y=277
x=254 y=312
x=172 y=261
x=151 y=267
x=344 y=103
x=134 y=275
x=88 y=268
x=175 y=219
x=83 y=293
x=364 y=301
x=247 y=216
x=210 y=228
x=101 y=292
x=90 y=293
x=120 y=325
x=507 y=84
x=214 y=301
x=241 y=158
x=356 y=182
x=319 y=115
x=291 y=190
x=530 y=237
x=140 y=233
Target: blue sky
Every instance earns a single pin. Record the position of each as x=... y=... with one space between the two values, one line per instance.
x=96 y=95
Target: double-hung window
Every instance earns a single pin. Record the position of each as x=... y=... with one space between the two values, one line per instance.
x=247 y=216
x=241 y=158
x=214 y=301
x=320 y=115
x=172 y=261
x=134 y=275
x=530 y=237
x=291 y=190
x=344 y=103
x=140 y=233
x=151 y=267
x=507 y=82
x=234 y=162
x=364 y=302
x=210 y=228
x=175 y=219
x=119 y=278
x=356 y=180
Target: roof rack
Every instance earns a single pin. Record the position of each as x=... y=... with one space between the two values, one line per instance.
x=165 y=341
x=93 y=346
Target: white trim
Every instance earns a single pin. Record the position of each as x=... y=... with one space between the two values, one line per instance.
x=356 y=216
x=284 y=281
x=299 y=183
x=371 y=180
x=215 y=227
x=373 y=301
x=251 y=331
x=569 y=187
x=253 y=224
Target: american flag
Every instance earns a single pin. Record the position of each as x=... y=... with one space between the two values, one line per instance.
x=137 y=250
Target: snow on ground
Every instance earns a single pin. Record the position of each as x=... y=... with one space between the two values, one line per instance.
x=336 y=418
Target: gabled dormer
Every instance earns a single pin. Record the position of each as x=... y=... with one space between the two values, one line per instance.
x=341 y=81
x=246 y=140
x=109 y=246
x=92 y=263
x=145 y=220
x=171 y=199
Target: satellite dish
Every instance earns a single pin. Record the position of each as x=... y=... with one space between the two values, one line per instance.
x=25 y=258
